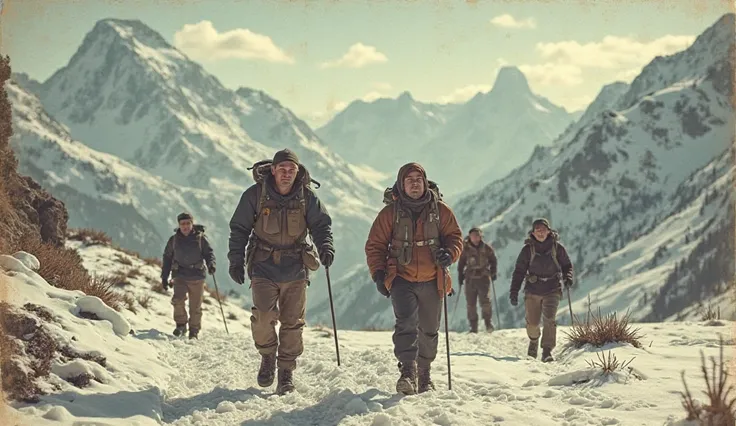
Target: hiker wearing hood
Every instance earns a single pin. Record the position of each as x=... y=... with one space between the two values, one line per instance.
x=281 y=210
x=412 y=242
x=543 y=265
x=187 y=256
x=477 y=266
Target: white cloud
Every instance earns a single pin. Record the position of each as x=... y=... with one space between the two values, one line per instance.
x=463 y=94
x=357 y=56
x=202 y=41
x=628 y=75
x=612 y=52
x=553 y=74
x=508 y=21
x=372 y=96
x=382 y=86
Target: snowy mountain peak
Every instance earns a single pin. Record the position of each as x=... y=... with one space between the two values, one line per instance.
x=127 y=30
x=510 y=79
x=405 y=97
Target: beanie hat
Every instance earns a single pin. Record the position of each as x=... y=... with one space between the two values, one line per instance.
x=184 y=216
x=475 y=229
x=541 y=221
x=284 y=155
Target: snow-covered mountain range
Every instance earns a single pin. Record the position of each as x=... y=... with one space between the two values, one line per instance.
x=157 y=134
x=642 y=194
x=488 y=136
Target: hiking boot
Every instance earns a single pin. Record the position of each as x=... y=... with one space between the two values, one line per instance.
x=533 y=348
x=180 y=330
x=425 y=382
x=547 y=355
x=407 y=383
x=194 y=333
x=489 y=326
x=267 y=370
x=473 y=326
x=285 y=382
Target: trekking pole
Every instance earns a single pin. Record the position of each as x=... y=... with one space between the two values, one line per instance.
x=447 y=334
x=569 y=304
x=495 y=300
x=332 y=310
x=217 y=295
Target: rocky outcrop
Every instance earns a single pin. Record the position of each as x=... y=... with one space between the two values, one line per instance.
x=27 y=211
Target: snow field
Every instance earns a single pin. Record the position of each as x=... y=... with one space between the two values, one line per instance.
x=154 y=378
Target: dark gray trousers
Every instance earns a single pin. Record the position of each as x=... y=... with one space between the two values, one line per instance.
x=418 y=309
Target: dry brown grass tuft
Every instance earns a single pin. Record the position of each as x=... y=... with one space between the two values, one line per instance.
x=89 y=236
x=158 y=287
x=129 y=301
x=145 y=300
x=721 y=408
x=598 y=330
x=62 y=267
x=153 y=261
x=104 y=288
x=710 y=314
x=610 y=364
x=123 y=260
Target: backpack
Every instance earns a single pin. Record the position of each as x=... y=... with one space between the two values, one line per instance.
x=199 y=228
x=199 y=235
x=401 y=249
x=533 y=252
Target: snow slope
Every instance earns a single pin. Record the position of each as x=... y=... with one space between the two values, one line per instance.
x=633 y=192
x=128 y=93
x=153 y=378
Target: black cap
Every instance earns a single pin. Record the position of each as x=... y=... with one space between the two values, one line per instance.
x=541 y=221
x=284 y=155
x=184 y=216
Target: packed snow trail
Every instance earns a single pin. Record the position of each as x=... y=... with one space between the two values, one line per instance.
x=493 y=382
x=152 y=377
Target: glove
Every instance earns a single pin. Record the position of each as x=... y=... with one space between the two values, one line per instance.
x=568 y=282
x=380 y=279
x=326 y=255
x=493 y=277
x=443 y=258
x=211 y=268
x=165 y=283
x=452 y=292
x=237 y=273
x=514 y=297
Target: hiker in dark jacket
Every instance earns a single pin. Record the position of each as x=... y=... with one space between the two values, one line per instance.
x=282 y=210
x=187 y=254
x=544 y=266
x=476 y=268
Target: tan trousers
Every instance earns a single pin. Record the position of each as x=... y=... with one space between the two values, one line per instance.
x=538 y=308
x=279 y=302
x=195 y=291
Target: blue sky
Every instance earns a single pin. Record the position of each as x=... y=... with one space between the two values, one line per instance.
x=317 y=56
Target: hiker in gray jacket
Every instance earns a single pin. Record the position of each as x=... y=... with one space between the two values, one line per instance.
x=187 y=256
